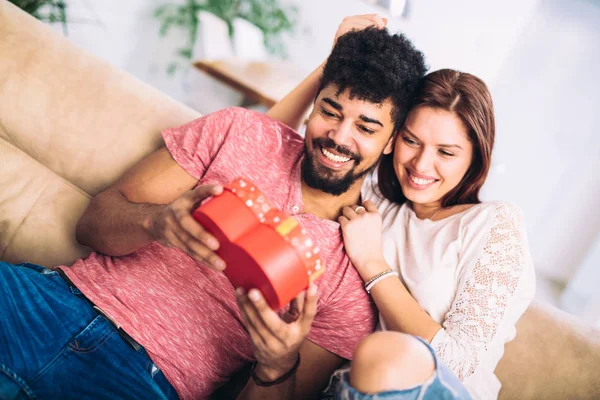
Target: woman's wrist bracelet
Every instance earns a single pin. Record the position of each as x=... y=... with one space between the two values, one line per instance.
x=380 y=276
x=282 y=378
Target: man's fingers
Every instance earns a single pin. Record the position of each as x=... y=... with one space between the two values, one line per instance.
x=299 y=302
x=203 y=191
x=246 y=312
x=310 y=308
x=264 y=320
x=195 y=248
x=269 y=318
x=196 y=230
x=174 y=241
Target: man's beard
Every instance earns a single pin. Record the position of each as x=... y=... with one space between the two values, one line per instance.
x=322 y=178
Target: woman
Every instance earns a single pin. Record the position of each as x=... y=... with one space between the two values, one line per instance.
x=465 y=273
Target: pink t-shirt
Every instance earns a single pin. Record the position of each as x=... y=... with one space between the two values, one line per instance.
x=184 y=313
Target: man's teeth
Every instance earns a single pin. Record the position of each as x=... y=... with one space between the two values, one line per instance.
x=334 y=157
x=420 y=181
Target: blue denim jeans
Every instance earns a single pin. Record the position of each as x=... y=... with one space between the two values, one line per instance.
x=443 y=385
x=54 y=345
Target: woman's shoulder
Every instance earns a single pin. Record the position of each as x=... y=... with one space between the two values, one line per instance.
x=493 y=209
x=481 y=220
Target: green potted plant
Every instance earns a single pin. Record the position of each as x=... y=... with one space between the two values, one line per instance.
x=46 y=10
x=269 y=16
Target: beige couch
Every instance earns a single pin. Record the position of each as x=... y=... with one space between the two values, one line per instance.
x=71 y=124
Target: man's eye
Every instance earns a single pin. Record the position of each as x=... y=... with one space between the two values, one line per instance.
x=327 y=113
x=366 y=130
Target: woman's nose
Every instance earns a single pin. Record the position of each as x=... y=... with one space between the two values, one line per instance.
x=422 y=161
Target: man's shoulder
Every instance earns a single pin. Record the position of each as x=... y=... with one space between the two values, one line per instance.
x=257 y=127
x=252 y=117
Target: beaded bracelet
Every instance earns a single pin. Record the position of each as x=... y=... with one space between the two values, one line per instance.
x=382 y=275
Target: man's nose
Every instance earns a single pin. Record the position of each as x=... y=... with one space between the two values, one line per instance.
x=342 y=134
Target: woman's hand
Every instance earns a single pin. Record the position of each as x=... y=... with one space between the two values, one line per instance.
x=363 y=239
x=359 y=22
x=276 y=341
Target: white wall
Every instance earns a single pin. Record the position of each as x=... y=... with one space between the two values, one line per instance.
x=470 y=35
x=547 y=157
x=125 y=33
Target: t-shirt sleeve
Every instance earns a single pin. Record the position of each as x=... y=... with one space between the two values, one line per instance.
x=346 y=317
x=195 y=144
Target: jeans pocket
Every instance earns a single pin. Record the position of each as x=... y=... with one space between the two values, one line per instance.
x=12 y=386
x=87 y=341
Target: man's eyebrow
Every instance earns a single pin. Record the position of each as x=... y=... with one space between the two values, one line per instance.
x=441 y=145
x=370 y=120
x=332 y=103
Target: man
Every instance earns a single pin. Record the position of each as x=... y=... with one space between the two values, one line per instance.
x=156 y=275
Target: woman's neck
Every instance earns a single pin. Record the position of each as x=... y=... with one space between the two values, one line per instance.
x=426 y=211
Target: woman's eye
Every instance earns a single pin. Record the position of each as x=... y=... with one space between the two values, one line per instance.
x=445 y=153
x=409 y=141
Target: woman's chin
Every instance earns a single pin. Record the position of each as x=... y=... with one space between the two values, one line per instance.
x=417 y=197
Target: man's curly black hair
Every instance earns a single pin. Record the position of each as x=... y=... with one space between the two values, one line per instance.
x=375 y=65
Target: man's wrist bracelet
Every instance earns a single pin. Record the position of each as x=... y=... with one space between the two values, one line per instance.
x=282 y=378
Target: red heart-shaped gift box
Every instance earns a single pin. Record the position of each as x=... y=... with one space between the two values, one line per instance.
x=262 y=246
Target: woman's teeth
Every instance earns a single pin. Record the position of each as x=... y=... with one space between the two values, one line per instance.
x=420 y=181
x=333 y=157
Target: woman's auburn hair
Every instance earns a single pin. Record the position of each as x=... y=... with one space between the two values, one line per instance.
x=467 y=97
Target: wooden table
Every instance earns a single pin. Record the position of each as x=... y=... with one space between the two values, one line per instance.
x=261 y=82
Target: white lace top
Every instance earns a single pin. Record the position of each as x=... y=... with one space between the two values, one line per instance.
x=471 y=272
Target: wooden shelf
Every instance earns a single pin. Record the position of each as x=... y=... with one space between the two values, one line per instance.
x=261 y=82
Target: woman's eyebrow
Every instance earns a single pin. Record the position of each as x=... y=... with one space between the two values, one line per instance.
x=441 y=145
x=409 y=132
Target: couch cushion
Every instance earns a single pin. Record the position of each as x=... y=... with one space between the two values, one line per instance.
x=85 y=120
x=38 y=210
x=554 y=356
x=70 y=125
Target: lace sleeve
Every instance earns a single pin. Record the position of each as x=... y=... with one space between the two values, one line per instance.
x=484 y=294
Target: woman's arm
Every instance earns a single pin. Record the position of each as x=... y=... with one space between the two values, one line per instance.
x=487 y=303
x=363 y=244
x=484 y=298
x=293 y=108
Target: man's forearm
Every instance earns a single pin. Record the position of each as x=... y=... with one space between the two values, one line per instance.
x=114 y=226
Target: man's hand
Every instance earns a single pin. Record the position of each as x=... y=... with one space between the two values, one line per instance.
x=276 y=341
x=174 y=226
x=359 y=22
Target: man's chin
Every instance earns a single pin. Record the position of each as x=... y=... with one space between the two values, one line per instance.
x=328 y=181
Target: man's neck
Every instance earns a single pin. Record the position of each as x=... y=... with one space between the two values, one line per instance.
x=328 y=206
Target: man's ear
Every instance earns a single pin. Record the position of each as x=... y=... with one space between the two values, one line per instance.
x=390 y=144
